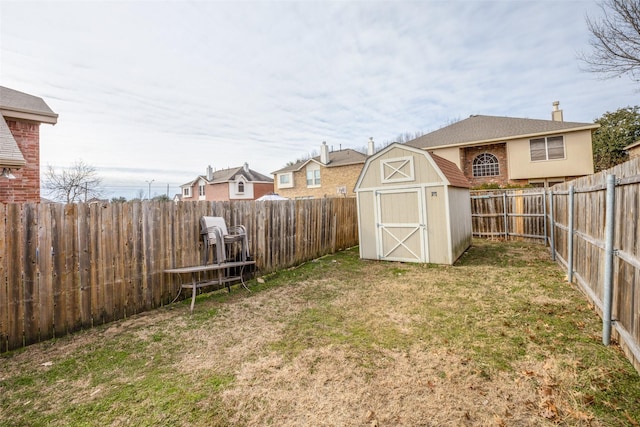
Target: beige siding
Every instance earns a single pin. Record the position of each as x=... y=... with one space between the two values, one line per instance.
x=452 y=154
x=578 y=158
x=460 y=221
x=423 y=170
x=437 y=231
x=367 y=225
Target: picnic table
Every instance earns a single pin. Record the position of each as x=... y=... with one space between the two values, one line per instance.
x=223 y=276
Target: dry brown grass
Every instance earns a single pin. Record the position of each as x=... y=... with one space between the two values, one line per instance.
x=498 y=340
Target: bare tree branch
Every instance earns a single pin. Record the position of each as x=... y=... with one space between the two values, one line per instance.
x=615 y=40
x=78 y=183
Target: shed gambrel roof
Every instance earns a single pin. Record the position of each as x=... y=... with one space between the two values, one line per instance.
x=479 y=129
x=232 y=174
x=448 y=170
x=452 y=172
x=336 y=158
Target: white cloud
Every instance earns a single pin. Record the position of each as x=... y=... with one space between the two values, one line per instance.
x=147 y=88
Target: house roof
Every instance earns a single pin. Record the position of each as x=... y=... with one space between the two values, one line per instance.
x=484 y=129
x=336 y=158
x=21 y=105
x=10 y=154
x=232 y=174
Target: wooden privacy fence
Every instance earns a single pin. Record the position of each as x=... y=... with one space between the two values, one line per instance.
x=509 y=213
x=578 y=237
x=67 y=267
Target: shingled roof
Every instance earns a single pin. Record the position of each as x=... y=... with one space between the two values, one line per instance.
x=484 y=129
x=231 y=174
x=452 y=172
x=19 y=105
x=336 y=158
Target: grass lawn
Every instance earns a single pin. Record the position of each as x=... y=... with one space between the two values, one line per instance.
x=498 y=339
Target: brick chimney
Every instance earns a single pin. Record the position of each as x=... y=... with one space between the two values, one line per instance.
x=324 y=153
x=556 y=114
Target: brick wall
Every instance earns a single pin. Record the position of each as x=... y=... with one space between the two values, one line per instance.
x=330 y=180
x=26 y=186
x=468 y=154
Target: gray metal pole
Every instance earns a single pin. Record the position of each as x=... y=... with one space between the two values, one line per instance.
x=570 y=237
x=608 y=259
x=552 y=225
x=544 y=211
x=506 y=221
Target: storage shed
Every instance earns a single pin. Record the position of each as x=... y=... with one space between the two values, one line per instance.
x=413 y=206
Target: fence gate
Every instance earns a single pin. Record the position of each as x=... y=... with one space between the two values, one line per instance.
x=519 y=213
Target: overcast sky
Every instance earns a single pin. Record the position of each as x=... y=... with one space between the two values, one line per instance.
x=158 y=90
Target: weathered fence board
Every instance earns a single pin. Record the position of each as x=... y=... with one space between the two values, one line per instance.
x=589 y=255
x=66 y=267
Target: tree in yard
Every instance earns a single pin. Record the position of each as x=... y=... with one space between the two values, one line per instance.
x=617 y=130
x=120 y=199
x=77 y=183
x=615 y=40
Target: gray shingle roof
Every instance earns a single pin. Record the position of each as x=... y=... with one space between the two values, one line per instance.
x=10 y=154
x=14 y=103
x=231 y=174
x=336 y=158
x=482 y=129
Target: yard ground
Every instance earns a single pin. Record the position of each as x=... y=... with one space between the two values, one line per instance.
x=500 y=339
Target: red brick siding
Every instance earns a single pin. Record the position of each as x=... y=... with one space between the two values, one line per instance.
x=26 y=186
x=260 y=189
x=470 y=153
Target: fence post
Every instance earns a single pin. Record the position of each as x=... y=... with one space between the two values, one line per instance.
x=552 y=226
x=544 y=212
x=504 y=210
x=608 y=259
x=570 y=237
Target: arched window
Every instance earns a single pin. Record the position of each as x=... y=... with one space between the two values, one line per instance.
x=486 y=164
x=240 y=187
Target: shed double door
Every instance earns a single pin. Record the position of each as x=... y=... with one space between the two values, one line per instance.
x=401 y=225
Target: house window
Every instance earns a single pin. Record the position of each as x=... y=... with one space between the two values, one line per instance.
x=285 y=180
x=201 y=190
x=186 y=192
x=549 y=148
x=241 y=187
x=313 y=176
x=486 y=164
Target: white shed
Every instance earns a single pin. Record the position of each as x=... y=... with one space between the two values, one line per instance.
x=413 y=206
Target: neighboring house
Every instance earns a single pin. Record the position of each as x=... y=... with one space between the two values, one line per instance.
x=514 y=151
x=633 y=150
x=239 y=183
x=20 y=118
x=331 y=174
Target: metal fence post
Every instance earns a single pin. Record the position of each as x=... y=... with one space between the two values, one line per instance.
x=544 y=212
x=608 y=260
x=504 y=210
x=552 y=226
x=570 y=237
